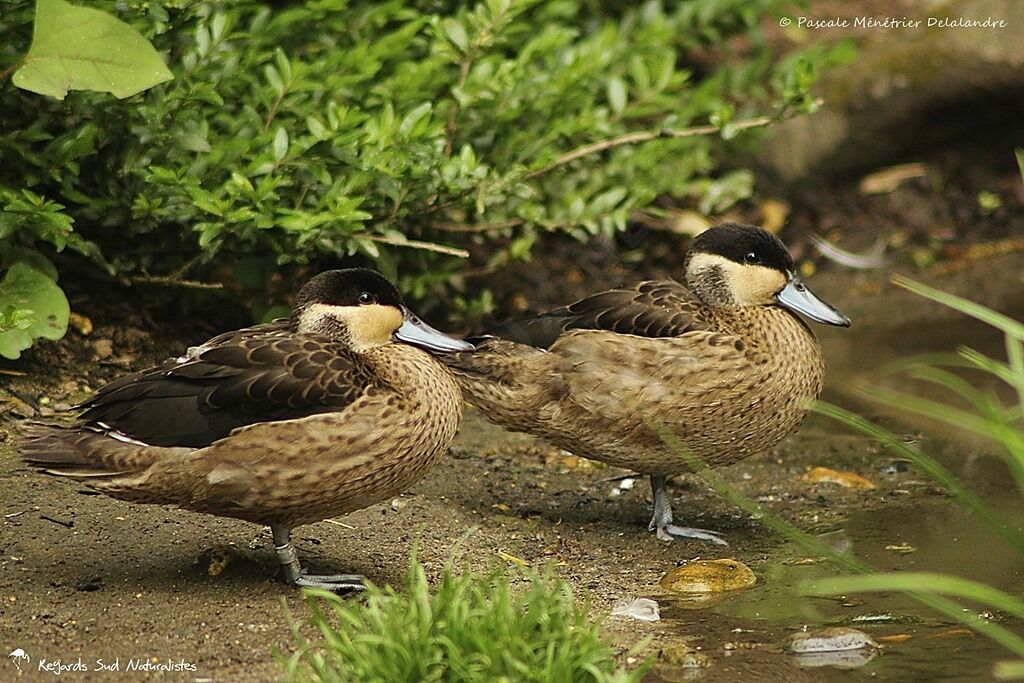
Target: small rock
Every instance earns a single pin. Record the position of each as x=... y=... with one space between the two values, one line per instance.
x=834 y=639
x=709 y=576
x=90 y=584
x=684 y=656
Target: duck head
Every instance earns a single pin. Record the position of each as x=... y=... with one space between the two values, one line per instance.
x=734 y=265
x=363 y=309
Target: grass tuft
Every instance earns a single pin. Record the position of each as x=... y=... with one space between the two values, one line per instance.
x=470 y=628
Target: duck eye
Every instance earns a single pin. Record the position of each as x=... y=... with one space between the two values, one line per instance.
x=751 y=258
x=367 y=298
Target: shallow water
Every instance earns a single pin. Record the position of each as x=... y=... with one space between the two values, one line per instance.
x=745 y=634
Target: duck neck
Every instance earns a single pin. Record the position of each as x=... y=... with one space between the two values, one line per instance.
x=711 y=286
x=407 y=368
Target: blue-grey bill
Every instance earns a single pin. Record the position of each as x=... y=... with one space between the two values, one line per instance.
x=796 y=297
x=416 y=332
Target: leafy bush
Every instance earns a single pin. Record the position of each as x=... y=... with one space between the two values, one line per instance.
x=402 y=134
x=471 y=628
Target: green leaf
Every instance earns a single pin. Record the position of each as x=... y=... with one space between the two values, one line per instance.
x=456 y=33
x=79 y=48
x=280 y=144
x=617 y=94
x=24 y=288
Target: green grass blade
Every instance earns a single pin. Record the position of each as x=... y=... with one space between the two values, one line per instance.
x=1008 y=671
x=992 y=366
x=924 y=587
x=994 y=429
x=925 y=582
x=986 y=315
x=929 y=466
x=1015 y=358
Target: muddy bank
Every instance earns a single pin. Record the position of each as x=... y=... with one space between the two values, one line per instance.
x=86 y=576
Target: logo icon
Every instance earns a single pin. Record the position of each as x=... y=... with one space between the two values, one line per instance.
x=19 y=656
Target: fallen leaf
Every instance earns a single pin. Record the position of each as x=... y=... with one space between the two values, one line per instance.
x=903 y=548
x=688 y=223
x=889 y=179
x=513 y=559
x=80 y=324
x=774 y=213
x=845 y=479
x=951 y=633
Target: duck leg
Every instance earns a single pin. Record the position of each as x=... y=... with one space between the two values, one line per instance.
x=295 y=575
x=661 y=522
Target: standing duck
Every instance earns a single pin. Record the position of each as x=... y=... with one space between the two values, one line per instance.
x=724 y=362
x=292 y=422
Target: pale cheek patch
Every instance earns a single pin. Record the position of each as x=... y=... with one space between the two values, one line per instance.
x=367 y=325
x=746 y=285
x=755 y=285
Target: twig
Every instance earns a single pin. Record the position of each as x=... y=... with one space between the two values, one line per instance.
x=180 y=272
x=449 y=129
x=15 y=514
x=416 y=244
x=645 y=136
x=170 y=281
x=341 y=524
x=11 y=69
x=63 y=523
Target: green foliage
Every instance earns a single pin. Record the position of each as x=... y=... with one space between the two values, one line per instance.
x=33 y=307
x=78 y=48
x=471 y=628
x=402 y=135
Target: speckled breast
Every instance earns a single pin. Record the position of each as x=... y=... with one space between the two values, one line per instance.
x=755 y=393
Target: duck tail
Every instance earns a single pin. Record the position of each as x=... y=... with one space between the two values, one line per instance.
x=80 y=452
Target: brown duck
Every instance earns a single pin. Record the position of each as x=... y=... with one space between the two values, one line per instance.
x=282 y=424
x=723 y=362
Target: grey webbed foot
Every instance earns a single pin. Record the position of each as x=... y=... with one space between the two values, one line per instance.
x=332 y=582
x=661 y=522
x=295 y=575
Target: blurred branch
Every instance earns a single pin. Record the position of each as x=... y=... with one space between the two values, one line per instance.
x=171 y=281
x=416 y=244
x=644 y=136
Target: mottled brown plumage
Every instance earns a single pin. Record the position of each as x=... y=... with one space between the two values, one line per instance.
x=281 y=424
x=720 y=362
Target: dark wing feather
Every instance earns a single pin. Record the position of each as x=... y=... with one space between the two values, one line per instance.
x=655 y=308
x=254 y=375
